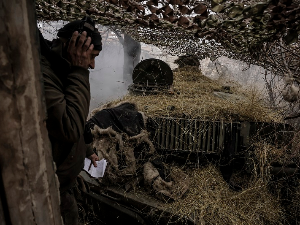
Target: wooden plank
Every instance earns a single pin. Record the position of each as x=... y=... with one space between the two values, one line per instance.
x=159 y=122
x=27 y=169
x=186 y=134
x=221 y=137
x=200 y=134
x=196 y=139
x=204 y=137
x=168 y=133
x=177 y=135
x=208 y=137
x=163 y=134
x=172 y=134
x=191 y=138
x=214 y=137
x=181 y=134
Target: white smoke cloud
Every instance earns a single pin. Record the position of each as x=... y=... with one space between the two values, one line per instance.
x=106 y=80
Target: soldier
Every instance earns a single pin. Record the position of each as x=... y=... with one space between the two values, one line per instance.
x=65 y=63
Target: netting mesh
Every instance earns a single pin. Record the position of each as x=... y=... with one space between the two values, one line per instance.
x=261 y=33
x=244 y=30
x=261 y=200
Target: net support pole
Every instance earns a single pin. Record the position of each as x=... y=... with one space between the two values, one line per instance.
x=28 y=184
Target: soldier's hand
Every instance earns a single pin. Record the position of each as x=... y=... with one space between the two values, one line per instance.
x=80 y=54
x=94 y=158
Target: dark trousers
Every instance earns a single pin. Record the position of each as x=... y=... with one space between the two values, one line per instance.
x=68 y=208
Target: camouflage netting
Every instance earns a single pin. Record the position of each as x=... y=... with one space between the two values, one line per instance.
x=262 y=33
x=209 y=199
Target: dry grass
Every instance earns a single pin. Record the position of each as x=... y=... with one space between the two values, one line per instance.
x=194 y=98
x=210 y=201
x=265 y=154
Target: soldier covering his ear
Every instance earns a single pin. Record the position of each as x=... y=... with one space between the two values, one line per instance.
x=65 y=62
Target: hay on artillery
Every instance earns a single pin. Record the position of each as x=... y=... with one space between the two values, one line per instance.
x=194 y=98
x=264 y=155
x=211 y=201
x=286 y=188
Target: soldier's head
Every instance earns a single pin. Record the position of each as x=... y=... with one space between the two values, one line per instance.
x=87 y=25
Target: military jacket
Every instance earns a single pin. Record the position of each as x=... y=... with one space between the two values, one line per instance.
x=67 y=95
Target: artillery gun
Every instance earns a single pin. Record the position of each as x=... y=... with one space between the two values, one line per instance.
x=181 y=139
x=151 y=76
x=192 y=138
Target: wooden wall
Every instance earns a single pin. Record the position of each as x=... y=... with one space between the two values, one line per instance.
x=28 y=185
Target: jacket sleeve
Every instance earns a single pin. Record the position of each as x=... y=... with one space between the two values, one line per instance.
x=67 y=103
x=89 y=150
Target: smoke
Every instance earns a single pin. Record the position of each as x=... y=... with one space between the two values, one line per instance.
x=107 y=80
x=230 y=69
